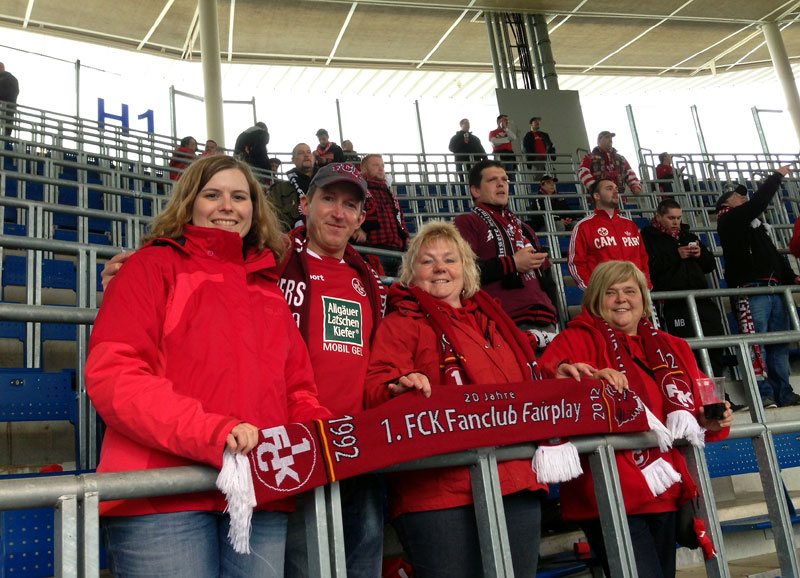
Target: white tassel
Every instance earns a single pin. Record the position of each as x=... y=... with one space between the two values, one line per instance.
x=683 y=424
x=660 y=475
x=236 y=481
x=663 y=435
x=557 y=463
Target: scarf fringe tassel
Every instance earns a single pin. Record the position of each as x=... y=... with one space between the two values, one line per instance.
x=663 y=434
x=683 y=424
x=660 y=475
x=556 y=463
x=236 y=482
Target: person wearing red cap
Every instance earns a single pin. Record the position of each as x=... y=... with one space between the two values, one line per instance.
x=605 y=161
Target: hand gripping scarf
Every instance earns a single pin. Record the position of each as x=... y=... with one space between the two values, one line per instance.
x=674 y=383
x=297 y=457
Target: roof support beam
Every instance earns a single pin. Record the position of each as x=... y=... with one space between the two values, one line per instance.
x=28 y=11
x=341 y=32
x=230 y=30
x=446 y=34
x=153 y=28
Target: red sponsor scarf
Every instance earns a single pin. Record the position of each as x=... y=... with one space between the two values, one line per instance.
x=747 y=327
x=297 y=457
x=672 y=233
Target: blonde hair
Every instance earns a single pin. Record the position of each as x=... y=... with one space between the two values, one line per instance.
x=607 y=274
x=264 y=233
x=431 y=232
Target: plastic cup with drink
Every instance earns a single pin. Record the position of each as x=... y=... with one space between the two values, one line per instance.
x=712 y=394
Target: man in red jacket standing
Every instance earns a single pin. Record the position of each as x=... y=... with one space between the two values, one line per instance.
x=605 y=235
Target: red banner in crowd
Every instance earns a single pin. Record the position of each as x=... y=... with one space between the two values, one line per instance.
x=297 y=457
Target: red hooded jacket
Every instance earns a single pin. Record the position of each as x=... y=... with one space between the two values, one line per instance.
x=193 y=338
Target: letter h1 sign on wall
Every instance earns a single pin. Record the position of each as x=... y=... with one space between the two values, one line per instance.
x=102 y=115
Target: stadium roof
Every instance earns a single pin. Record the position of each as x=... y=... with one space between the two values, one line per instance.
x=668 y=38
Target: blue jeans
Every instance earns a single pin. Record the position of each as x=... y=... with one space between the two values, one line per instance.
x=362 y=521
x=444 y=543
x=769 y=314
x=653 y=540
x=192 y=545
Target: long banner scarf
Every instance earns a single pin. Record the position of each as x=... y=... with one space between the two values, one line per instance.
x=297 y=457
x=674 y=384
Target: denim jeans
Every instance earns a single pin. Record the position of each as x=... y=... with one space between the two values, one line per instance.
x=444 y=543
x=362 y=521
x=769 y=314
x=192 y=545
x=653 y=540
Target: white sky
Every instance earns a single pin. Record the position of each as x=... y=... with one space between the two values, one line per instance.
x=388 y=125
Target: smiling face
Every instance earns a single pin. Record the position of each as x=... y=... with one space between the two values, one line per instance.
x=332 y=216
x=493 y=189
x=623 y=306
x=224 y=203
x=438 y=270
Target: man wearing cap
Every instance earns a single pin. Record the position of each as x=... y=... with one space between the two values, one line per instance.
x=514 y=267
x=502 y=139
x=605 y=161
x=285 y=195
x=605 y=235
x=327 y=150
x=752 y=260
x=467 y=149
x=322 y=272
x=537 y=146
x=384 y=226
x=563 y=222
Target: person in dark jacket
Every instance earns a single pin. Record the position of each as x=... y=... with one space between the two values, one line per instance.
x=9 y=91
x=251 y=146
x=751 y=260
x=327 y=151
x=563 y=222
x=467 y=149
x=537 y=145
x=679 y=261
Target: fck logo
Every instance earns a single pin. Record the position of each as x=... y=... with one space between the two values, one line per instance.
x=286 y=458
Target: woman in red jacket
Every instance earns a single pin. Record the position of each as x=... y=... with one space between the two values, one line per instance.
x=442 y=330
x=612 y=332
x=193 y=351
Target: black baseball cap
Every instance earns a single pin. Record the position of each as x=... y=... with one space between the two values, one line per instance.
x=738 y=189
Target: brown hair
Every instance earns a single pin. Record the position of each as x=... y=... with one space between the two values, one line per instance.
x=264 y=233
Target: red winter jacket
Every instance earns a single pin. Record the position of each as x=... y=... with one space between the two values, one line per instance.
x=404 y=343
x=582 y=342
x=599 y=238
x=191 y=340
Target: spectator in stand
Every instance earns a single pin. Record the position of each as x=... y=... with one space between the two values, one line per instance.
x=275 y=165
x=502 y=139
x=680 y=261
x=435 y=336
x=384 y=227
x=251 y=146
x=665 y=171
x=182 y=157
x=752 y=260
x=547 y=187
x=350 y=156
x=537 y=146
x=605 y=235
x=286 y=195
x=9 y=91
x=613 y=335
x=327 y=150
x=194 y=350
x=211 y=149
x=513 y=265
x=605 y=162
x=322 y=270
x=467 y=149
